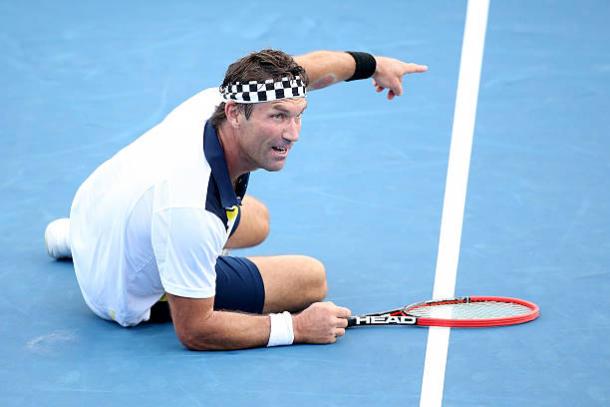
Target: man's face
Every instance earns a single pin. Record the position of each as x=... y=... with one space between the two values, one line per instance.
x=267 y=136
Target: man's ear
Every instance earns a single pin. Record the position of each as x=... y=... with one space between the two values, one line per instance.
x=232 y=112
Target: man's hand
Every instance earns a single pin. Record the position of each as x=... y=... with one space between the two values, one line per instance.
x=321 y=322
x=389 y=73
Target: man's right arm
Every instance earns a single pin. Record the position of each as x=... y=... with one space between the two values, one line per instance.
x=199 y=327
x=325 y=68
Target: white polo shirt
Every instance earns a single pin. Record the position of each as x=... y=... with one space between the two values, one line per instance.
x=155 y=217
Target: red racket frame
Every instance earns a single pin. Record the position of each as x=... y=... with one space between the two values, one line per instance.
x=474 y=323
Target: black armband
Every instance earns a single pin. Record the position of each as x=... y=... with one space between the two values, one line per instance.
x=365 y=65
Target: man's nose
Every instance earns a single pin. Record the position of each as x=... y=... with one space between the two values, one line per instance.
x=291 y=132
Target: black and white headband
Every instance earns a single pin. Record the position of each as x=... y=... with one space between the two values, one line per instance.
x=267 y=91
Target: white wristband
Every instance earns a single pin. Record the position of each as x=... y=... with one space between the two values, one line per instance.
x=281 y=329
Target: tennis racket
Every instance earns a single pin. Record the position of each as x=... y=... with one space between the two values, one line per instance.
x=463 y=312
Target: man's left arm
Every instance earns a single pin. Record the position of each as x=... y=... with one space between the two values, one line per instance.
x=325 y=68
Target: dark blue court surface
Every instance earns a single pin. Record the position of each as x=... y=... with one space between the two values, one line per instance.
x=363 y=191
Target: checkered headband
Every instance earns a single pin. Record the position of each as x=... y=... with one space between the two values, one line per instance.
x=267 y=91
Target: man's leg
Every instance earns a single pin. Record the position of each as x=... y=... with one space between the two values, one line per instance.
x=292 y=283
x=262 y=285
x=253 y=225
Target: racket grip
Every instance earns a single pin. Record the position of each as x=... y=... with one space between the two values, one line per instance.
x=351 y=321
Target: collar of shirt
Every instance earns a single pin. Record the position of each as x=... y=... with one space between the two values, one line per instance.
x=215 y=155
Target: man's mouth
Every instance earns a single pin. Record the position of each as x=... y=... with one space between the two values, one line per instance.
x=280 y=149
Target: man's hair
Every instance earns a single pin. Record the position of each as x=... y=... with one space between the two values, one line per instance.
x=258 y=66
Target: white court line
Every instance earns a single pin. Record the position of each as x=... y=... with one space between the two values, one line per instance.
x=455 y=195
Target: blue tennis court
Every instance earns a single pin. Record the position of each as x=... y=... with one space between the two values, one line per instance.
x=363 y=191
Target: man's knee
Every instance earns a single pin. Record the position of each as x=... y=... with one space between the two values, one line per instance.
x=257 y=224
x=253 y=228
x=262 y=221
x=317 y=277
x=292 y=282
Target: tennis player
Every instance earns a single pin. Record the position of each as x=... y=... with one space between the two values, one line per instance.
x=147 y=229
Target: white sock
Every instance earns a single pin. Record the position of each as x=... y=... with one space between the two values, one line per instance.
x=57 y=239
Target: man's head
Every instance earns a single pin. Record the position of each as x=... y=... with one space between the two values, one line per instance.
x=264 y=125
x=260 y=67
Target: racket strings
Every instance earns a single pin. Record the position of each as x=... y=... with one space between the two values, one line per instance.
x=469 y=310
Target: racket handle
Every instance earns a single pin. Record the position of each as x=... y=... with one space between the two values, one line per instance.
x=363 y=320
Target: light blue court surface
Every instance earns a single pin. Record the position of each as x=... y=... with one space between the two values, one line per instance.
x=363 y=191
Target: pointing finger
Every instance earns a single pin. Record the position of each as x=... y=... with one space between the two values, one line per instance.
x=415 y=68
